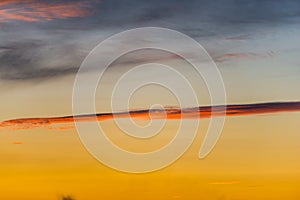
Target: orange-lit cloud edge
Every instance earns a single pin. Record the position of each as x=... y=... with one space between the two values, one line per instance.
x=35 y=11
x=202 y=112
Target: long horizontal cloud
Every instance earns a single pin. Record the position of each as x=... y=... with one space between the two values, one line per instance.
x=168 y=113
x=33 y=11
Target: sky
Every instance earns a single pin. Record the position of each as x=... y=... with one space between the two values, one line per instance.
x=255 y=45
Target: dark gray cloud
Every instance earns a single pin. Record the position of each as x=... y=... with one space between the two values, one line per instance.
x=32 y=60
x=181 y=13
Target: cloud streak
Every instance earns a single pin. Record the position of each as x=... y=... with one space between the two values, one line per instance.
x=67 y=122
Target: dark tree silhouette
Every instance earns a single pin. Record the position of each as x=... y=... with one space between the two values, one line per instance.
x=67 y=198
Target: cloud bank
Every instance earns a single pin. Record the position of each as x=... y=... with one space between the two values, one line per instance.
x=49 y=39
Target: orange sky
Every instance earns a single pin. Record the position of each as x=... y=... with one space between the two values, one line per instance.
x=255 y=45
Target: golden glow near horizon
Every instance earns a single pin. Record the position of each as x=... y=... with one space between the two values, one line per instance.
x=255 y=156
x=246 y=163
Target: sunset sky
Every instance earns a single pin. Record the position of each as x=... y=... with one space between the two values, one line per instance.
x=255 y=45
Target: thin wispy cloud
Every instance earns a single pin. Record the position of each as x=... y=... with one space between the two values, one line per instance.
x=224 y=183
x=238 y=56
x=17 y=143
x=67 y=122
x=240 y=37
